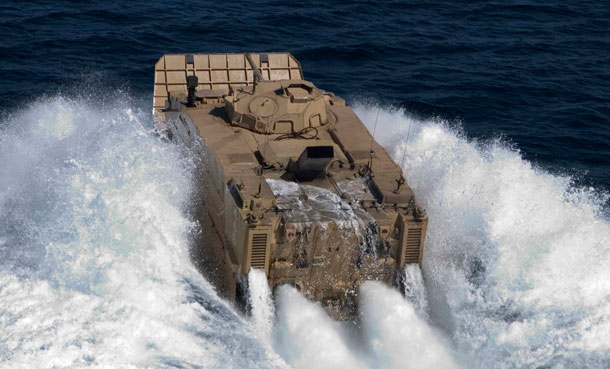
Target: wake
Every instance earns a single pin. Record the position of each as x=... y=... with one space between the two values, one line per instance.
x=515 y=267
x=393 y=334
x=94 y=248
x=95 y=270
x=516 y=258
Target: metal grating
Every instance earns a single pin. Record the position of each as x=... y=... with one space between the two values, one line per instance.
x=218 y=71
x=411 y=248
x=258 y=254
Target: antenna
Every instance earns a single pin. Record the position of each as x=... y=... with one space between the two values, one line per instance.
x=264 y=160
x=263 y=163
x=400 y=181
x=255 y=71
x=371 y=151
x=404 y=153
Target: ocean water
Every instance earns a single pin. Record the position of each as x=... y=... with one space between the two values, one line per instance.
x=497 y=112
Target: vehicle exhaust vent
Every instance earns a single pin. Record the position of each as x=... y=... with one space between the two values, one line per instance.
x=258 y=254
x=411 y=247
x=312 y=162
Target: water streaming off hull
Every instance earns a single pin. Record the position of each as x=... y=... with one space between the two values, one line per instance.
x=394 y=331
x=260 y=303
x=307 y=338
x=390 y=332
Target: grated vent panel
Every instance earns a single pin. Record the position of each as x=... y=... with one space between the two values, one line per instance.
x=259 y=251
x=411 y=249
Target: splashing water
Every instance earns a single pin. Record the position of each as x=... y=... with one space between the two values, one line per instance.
x=95 y=268
x=397 y=336
x=94 y=258
x=321 y=205
x=393 y=335
x=307 y=338
x=415 y=290
x=516 y=259
x=261 y=303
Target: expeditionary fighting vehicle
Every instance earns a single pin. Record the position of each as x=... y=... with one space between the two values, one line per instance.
x=294 y=184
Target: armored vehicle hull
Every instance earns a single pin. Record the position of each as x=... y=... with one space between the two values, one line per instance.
x=293 y=183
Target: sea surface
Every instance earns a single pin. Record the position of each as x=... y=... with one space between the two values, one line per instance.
x=497 y=111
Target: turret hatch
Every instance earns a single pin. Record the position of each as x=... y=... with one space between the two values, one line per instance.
x=276 y=106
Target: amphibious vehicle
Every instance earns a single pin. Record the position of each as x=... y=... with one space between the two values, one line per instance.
x=293 y=182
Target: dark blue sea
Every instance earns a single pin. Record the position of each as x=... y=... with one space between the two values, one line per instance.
x=501 y=109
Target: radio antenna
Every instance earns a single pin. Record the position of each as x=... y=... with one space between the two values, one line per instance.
x=404 y=153
x=371 y=151
x=263 y=159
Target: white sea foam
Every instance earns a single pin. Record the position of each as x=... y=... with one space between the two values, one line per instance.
x=516 y=259
x=307 y=338
x=397 y=336
x=95 y=269
x=94 y=257
x=393 y=334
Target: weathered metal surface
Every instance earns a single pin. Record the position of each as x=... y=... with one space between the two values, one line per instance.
x=294 y=183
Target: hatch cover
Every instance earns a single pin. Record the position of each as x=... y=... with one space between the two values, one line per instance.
x=263 y=106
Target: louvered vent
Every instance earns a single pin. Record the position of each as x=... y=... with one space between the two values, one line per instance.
x=259 y=250
x=411 y=249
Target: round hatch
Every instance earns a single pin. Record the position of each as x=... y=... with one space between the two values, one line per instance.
x=262 y=106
